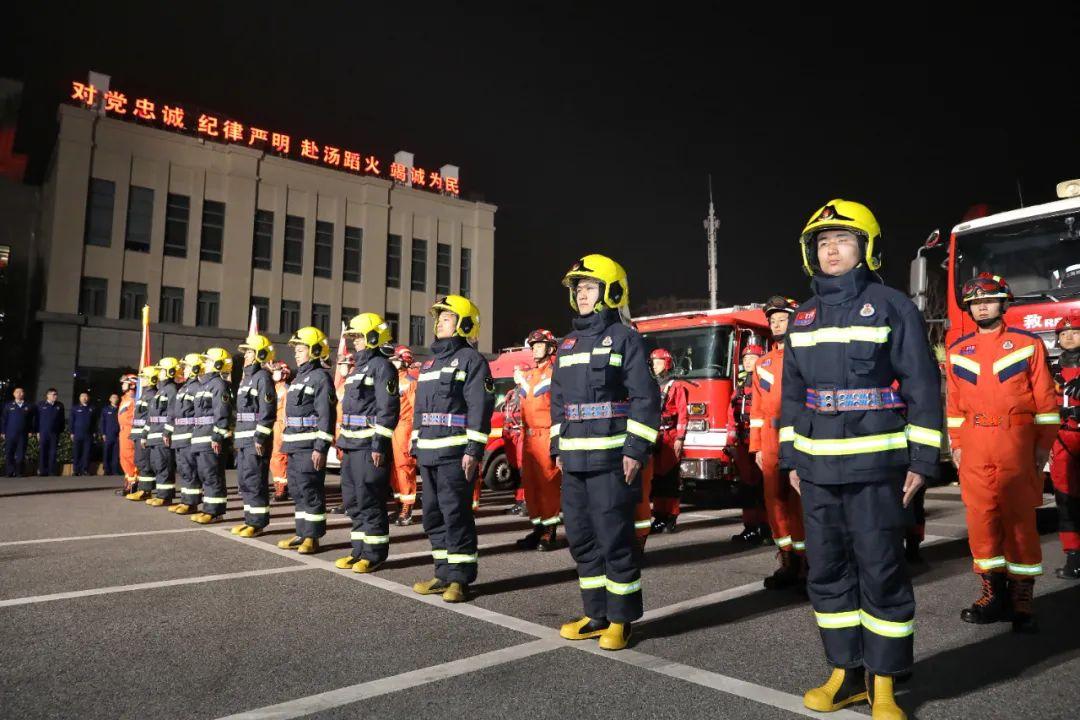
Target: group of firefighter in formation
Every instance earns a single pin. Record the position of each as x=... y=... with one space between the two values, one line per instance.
x=840 y=422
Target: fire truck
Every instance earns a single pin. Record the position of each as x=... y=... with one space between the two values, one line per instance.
x=498 y=470
x=706 y=346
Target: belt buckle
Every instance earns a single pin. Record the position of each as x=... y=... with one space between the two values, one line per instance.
x=876 y=401
x=826 y=402
x=986 y=420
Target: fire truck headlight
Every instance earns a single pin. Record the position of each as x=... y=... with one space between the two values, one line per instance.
x=696 y=408
x=697 y=426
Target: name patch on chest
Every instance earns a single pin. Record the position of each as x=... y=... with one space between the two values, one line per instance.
x=967 y=350
x=806 y=317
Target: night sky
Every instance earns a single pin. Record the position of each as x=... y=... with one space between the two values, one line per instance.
x=594 y=129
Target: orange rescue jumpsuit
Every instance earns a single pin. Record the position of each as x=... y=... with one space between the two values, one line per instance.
x=126 y=415
x=782 y=503
x=279 y=461
x=539 y=473
x=673 y=417
x=1000 y=408
x=403 y=472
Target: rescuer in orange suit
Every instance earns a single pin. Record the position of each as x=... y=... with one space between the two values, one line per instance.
x=1003 y=418
x=126 y=416
x=511 y=436
x=669 y=443
x=782 y=503
x=1065 y=458
x=540 y=476
x=755 y=520
x=403 y=471
x=279 y=461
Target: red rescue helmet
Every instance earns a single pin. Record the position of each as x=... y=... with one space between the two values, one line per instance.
x=779 y=303
x=128 y=381
x=1071 y=321
x=753 y=349
x=541 y=336
x=282 y=367
x=662 y=354
x=985 y=286
x=404 y=354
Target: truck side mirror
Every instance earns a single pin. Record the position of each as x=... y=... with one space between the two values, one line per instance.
x=917 y=282
x=933 y=240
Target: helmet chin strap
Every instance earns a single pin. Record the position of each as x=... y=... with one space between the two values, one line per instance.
x=987 y=323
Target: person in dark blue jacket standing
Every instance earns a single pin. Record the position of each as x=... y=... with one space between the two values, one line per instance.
x=109 y=429
x=16 y=423
x=50 y=425
x=82 y=434
x=605 y=418
x=860 y=429
x=451 y=421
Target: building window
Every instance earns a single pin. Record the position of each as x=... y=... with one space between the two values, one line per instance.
x=354 y=244
x=263 y=243
x=416 y=330
x=140 y=218
x=320 y=317
x=132 y=299
x=213 y=231
x=262 y=312
x=99 y=211
x=206 y=311
x=465 y=286
x=442 y=269
x=177 y=211
x=419 y=265
x=324 y=248
x=393 y=261
x=290 y=316
x=92 y=296
x=347 y=314
x=394 y=321
x=294 y=244
x=172 y=305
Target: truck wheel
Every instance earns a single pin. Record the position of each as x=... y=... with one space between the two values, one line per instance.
x=499 y=475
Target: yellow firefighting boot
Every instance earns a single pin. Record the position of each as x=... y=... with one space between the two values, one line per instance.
x=843 y=688
x=457 y=592
x=157 y=502
x=583 y=629
x=249 y=532
x=882 y=703
x=346 y=563
x=137 y=496
x=237 y=529
x=615 y=637
x=183 y=509
x=290 y=544
x=366 y=566
x=205 y=518
x=434 y=586
x=309 y=546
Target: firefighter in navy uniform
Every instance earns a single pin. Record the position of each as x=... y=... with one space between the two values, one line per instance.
x=310 y=416
x=858 y=451
x=213 y=427
x=144 y=485
x=182 y=420
x=162 y=458
x=253 y=438
x=370 y=408
x=17 y=421
x=605 y=418
x=50 y=425
x=455 y=397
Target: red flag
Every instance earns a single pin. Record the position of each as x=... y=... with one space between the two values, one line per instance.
x=253 y=326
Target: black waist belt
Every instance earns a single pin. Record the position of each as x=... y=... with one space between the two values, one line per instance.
x=831 y=401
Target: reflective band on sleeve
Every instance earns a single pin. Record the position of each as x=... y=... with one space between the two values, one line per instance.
x=852 y=446
x=965 y=362
x=990 y=563
x=835 y=621
x=886 y=628
x=264 y=430
x=787 y=434
x=623 y=588
x=840 y=335
x=571 y=360
x=1014 y=357
x=641 y=430
x=1052 y=418
x=324 y=436
x=600 y=443
x=384 y=431
x=757 y=423
x=955 y=422
x=924 y=436
x=1024 y=569
x=414 y=435
x=554 y=431
x=460 y=559
x=222 y=432
x=438 y=554
x=215 y=500
x=765 y=375
x=251 y=509
x=436 y=443
x=615 y=360
x=169 y=428
x=475 y=436
x=592 y=583
x=495 y=433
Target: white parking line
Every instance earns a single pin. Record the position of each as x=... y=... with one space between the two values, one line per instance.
x=99 y=537
x=384 y=686
x=148 y=586
x=703 y=601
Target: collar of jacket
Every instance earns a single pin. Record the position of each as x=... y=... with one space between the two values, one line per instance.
x=250 y=370
x=1070 y=358
x=362 y=356
x=993 y=335
x=597 y=322
x=448 y=346
x=308 y=366
x=839 y=289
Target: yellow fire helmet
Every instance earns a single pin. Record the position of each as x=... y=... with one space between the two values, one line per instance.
x=260 y=345
x=314 y=339
x=149 y=373
x=169 y=366
x=371 y=327
x=842 y=215
x=193 y=364
x=468 y=324
x=219 y=360
x=614 y=286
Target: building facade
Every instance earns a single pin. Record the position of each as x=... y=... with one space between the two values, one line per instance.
x=202 y=231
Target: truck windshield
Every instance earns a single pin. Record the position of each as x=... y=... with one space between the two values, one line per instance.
x=1039 y=258
x=702 y=352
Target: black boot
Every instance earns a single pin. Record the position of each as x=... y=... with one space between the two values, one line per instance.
x=788 y=574
x=749 y=535
x=669 y=524
x=659 y=525
x=404 y=518
x=1071 y=571
x=548 y=540
x=532 y=540
x=517 y=508
x=992 y=605
x=766 y=535
x=1021 y=595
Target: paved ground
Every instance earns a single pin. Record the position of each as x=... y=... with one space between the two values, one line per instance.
x=111 y=609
